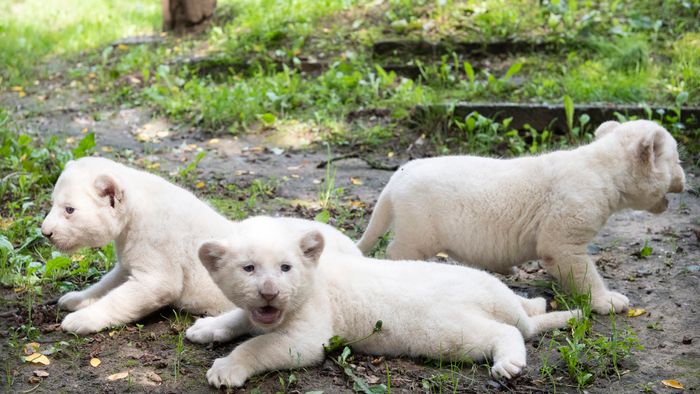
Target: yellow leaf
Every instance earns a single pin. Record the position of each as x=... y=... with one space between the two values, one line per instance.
x=357 y=204
x=17 y=88
x=118 y=376
x=636 y=312
x=107 y=149
x=84 y=130
x=122 y=47
x=21 y=94
x=213 y=141
x=37 y=358
x=95 y=362
x=442 y=255
x=355 y=181
x=70 y=140
x=31 y=348
x=390 y=154
x=199 y=185
x=112 y=333
x=153 y=166
x=673 y=383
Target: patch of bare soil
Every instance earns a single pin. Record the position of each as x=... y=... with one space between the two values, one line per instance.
x=665 y=284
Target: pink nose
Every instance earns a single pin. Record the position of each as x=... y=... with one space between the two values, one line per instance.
x=269 y=296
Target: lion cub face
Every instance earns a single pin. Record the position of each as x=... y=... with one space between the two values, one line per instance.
x=265 y=268
x=87 y=207
x=652 y=154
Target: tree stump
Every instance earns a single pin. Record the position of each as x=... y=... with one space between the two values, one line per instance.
x=187 y=16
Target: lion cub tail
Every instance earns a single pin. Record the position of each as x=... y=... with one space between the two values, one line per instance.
x=378 y=224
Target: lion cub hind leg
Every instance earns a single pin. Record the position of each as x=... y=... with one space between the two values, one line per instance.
x=551 y=320
x=499 y=342
x=533 y=306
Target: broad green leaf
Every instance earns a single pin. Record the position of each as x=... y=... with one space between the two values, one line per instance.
x=323 y=216
x=569 y=111
x=84 y=146
x=512 y=70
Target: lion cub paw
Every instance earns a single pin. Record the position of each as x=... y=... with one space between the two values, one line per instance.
x=209 y=329
x=73 y=301
x=508 y=367
x=225 y=372
x=602 y=303
x=84 y=321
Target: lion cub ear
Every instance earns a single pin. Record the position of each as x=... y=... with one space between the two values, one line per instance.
x=211 y=254
x=650 y=147
x=108 y=187
x=605 y=128
x=311 y=245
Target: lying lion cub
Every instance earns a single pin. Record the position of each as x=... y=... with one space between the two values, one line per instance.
x=298 y=302
x=499 y=213
x=157 y=228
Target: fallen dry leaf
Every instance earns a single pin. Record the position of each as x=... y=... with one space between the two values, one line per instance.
x=21 y=94
x=107 y=149
x=70 y=140
x=37 y=358
x=17 y=88
x=672 y=383
x=636 y=312
x=199 y=185
x=40 y=373
x=95 y=362
x=31 y=348
x=154 y=377
x=390 y=154
x=122 y=47
x=442 y=255
x=118 y=376
x=113 y=333
x=213 y=141
x=355 y=181
x=84 y=130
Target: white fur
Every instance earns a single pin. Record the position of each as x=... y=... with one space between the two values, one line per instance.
x=428 y=309
x=157 y=228
x=495 y=214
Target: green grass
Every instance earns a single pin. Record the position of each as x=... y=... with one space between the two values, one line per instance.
x=33 y=31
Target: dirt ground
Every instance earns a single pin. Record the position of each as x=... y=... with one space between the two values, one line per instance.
x=666 y=284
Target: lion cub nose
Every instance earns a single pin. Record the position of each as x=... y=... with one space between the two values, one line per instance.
x=268 y=291
x=269 y=296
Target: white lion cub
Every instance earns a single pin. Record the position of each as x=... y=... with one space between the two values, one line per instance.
x=157 y=228
x=499 y=213
x=298 y=302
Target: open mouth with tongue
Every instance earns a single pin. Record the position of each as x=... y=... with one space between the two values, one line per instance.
x=266 y=314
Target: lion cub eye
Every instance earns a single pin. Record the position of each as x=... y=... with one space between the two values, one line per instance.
x=249 y=268
x=70 y=210
x=285 y=267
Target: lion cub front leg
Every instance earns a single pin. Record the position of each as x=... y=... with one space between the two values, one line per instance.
x=74 y=300
x=577 y=273
x=268 y=352
x=222 y=328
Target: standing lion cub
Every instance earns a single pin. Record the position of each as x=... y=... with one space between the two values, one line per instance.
x=298 y=303
x=157 y=228
x=495 y=213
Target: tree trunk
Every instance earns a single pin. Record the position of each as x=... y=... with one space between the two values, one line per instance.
x=187 y=16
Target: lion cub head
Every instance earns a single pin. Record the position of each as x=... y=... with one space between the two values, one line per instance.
x=87 y=205
x=652 y=155
x=265 y=267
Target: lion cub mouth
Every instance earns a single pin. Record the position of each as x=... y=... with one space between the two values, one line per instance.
x=266 y=314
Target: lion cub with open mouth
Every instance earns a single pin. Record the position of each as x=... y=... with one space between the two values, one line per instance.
x=157 y=228
x=496 y=214
x=273 y=273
